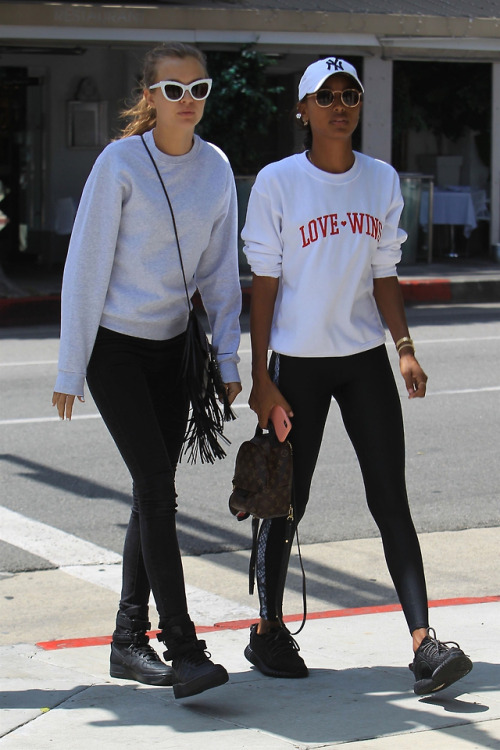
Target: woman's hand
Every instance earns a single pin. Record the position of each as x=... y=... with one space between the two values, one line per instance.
x=263 y=396
x=64 y=403
x=389 y=299
x=232 y=390
x=413 y=375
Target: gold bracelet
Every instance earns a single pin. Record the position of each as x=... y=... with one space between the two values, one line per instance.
x=404 y=346
x=404 y=340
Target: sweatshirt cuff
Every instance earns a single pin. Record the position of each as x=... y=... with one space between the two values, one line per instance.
x=229 y=372
x=71 y=383
x=382 y=272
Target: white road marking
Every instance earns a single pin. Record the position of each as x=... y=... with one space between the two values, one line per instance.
x=102 y=567
x=460 y=340
x=29 y=364
x=487 y=389
x=76 y=417
x=418 y=342
x=236 y=407
x=205 y=608
x=54 y=545
x=33 y=420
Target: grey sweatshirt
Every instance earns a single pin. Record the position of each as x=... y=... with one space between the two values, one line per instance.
x=123 y=271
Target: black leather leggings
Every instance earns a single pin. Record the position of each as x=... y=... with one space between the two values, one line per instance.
x=364 y=388
x=136 y=386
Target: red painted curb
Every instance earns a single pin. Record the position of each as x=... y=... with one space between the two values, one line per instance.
x=426 y=290
x=243 y=624
x=46 y=308
x=413 y=290
x=30 y=310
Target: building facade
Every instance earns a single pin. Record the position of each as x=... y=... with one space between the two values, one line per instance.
x=66 y=69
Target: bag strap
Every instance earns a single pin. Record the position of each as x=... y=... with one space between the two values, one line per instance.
x=173 y=221
x=290 y=530
x=253 y=554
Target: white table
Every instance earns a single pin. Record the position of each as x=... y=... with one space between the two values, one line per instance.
x=455 y=206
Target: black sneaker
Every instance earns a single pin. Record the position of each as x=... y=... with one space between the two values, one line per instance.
x=275 y=654
x=139 y=662
x=436 y=665
x=193 y=671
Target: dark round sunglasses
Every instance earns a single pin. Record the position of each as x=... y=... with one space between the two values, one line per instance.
x=326 y=97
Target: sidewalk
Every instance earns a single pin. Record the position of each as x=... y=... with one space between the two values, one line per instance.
x=358 y=692
x=58 y=694
x=37 y=298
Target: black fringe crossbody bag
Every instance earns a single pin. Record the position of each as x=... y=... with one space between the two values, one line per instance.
x=200 y=371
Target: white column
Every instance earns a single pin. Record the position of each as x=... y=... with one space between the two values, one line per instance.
x=495 y=156
x=376 y=120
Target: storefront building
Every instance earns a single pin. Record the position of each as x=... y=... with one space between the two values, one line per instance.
x=66 y=69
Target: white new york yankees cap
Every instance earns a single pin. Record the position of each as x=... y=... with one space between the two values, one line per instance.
x=317 y=73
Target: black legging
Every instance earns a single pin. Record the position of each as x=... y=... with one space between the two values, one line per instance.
x=364 y=388
x=136 y=386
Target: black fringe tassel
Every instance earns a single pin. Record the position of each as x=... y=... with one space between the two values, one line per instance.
x=201 y=373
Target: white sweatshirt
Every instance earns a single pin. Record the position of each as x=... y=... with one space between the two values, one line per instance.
x=326 y=237
x=123 y=270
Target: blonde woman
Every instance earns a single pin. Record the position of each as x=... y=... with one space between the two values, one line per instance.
x=124 y=315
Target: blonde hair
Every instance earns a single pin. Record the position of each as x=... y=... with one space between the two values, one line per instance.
x=140 y=116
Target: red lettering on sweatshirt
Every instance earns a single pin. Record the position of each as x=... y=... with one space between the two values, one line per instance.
x=313 y=230
x=322 y=225
x=305 y=242
x=365 y=223
x=356 y=222
x=373 y=227
x=327 y=225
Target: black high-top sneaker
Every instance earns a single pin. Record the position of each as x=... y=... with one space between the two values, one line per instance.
x=193 y=671
x=132 y=658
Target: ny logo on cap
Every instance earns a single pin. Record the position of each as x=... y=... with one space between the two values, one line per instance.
x=336 y=64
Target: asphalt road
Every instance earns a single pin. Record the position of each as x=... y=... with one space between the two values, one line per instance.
x=70 y=477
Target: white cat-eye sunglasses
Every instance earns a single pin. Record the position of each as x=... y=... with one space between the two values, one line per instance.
x=175 y=91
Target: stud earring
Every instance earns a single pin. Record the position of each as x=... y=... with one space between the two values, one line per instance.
x=298 y=116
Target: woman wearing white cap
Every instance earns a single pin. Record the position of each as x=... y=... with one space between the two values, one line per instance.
x=322 y=239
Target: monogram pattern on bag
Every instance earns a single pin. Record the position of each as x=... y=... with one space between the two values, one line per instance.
x=262 y=482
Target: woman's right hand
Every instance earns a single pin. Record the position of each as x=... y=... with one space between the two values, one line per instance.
x=64 y=403
x=263 y=396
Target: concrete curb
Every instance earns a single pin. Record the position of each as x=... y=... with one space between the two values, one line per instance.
x=480 y=290
x=44 y=309
x=432 y=290
x=450 y=290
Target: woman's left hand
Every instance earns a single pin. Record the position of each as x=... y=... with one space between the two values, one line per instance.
x=232 y=390
x=413 y=375
x=64 y=403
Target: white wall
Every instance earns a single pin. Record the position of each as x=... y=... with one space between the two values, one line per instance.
x=376 y=120
x=69 y=166
x=495 y=157
x=65 y=168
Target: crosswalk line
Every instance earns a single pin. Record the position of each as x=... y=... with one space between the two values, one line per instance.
x=102 y=567
x=58 y=547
